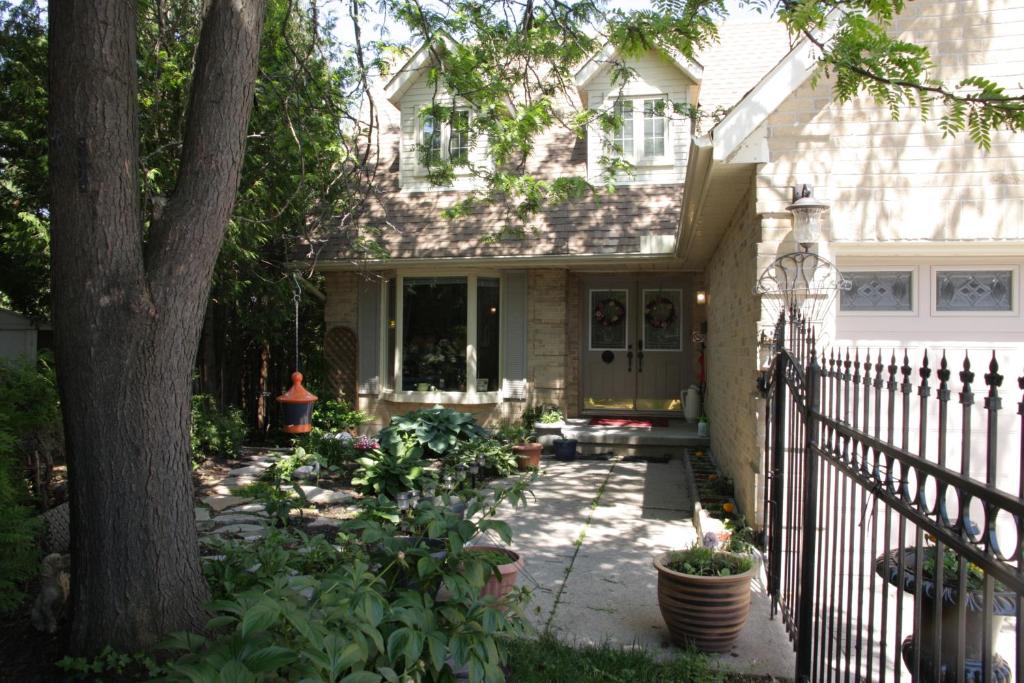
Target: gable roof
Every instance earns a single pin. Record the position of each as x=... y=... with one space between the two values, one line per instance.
x=407 y=74
x=593 y=66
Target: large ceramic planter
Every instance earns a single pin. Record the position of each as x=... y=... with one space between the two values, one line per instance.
x=1003 y=605
x=707 y=612
x=499 y=587
x=527 y=456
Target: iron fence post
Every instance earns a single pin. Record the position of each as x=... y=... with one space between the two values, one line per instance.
x=805 y=616
x=777 y=471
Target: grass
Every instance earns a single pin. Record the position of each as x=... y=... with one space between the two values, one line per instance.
x=551 y=661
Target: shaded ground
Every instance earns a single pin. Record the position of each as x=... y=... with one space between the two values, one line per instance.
x=588 y=540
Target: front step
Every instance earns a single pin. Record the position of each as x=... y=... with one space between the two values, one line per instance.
x=653 y=442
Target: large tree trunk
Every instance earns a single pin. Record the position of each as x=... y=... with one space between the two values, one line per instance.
x=128 y=310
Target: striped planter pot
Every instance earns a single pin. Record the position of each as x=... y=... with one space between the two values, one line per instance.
x=707 y=612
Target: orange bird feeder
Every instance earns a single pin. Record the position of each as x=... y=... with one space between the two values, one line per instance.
x=297 y=407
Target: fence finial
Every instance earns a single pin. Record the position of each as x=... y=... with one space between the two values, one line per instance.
x=992 y=378
x=966 y=376
x=925 y=371
x=943 y=373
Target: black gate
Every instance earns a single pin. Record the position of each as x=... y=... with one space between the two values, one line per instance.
x=894 y=522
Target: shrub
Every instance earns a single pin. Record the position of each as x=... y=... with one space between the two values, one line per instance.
x=494 y=457
x=29 y=422
x=434 y=430
x=336 y=416
x=389 y=471
x=291 y=607
x=216 y=433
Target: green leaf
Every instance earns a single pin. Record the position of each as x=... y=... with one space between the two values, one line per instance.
x=270 y=658
x=235 y=672
x=259 y=617
x=361 y=677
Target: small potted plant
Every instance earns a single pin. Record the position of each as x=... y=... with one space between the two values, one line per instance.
x=524 y=446
x=505 y=565
x=704 y=591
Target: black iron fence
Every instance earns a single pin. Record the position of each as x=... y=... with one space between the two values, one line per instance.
x=894 y=515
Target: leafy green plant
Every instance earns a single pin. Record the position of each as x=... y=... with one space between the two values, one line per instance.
x=513 y=434
x=434 y=430
x=109 y=661
x=545 y=413
x=493 y=456
x=333 y=416
x=391 y=470
x=29 y=420
x=286 y=465
x=700 y=561
x=216 y=433
x=292 y=607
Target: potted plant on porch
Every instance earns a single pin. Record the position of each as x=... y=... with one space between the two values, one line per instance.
x=524 y=446
x=1004 y=604
x=704 y=591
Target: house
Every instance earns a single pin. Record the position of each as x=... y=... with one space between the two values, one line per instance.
x=595 y=305
x=18 y=336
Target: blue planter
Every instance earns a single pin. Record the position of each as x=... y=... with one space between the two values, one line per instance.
x=565 y=449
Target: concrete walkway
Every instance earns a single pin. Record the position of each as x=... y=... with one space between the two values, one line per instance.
x=588 y=540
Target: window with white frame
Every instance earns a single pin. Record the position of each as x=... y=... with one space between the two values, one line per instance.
x=643 y=120
x=443 y=334
x=875 y=291
x=444 y=140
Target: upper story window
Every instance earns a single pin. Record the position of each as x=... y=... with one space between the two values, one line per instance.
x=445 y=139
x=649 y=128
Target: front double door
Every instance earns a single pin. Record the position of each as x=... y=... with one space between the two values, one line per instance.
x=634 y=351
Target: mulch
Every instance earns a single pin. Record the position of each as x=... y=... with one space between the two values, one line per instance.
x=26 y=655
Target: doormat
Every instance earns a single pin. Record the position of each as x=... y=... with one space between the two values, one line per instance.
x=626 y=422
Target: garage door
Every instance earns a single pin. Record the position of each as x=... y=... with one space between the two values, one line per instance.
x=959 y=308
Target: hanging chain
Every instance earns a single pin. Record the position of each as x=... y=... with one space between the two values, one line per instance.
x=297 y=297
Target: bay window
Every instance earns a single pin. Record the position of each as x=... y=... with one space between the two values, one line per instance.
x=443 y=336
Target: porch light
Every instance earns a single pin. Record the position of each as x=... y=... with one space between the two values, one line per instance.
x=702 y=297
x=808 y=215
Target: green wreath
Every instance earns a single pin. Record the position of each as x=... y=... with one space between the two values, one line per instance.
x=660 y=313
x=609 y=312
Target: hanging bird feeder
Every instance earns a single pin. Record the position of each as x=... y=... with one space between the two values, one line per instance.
x=297 y=407
x=297 y=402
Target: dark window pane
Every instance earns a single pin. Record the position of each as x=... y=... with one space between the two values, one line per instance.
x=392 y=324
x=434 y=334
x=488 y=316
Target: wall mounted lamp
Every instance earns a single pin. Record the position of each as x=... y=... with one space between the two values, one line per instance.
x=808 y=215
x=702 y=296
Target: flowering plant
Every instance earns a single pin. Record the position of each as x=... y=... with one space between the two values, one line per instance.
x=365 y=443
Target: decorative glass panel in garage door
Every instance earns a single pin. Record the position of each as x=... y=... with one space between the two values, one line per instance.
x=878 y=290
x=974 y=290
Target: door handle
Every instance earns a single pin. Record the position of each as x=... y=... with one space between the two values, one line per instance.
x=640 y=356
x=629 y=358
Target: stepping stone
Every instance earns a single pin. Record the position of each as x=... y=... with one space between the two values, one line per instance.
x=324 y=523
x=258 y=509
x=254 y=470
x=331 y=498
x=248 y=530
x=202 y=514
x=232 y=518
x=223 y=502
x=237 y=482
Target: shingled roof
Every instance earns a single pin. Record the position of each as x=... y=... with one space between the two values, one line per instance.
x=411 y=226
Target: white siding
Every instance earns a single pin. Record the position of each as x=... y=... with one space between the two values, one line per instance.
x=655 y=76
x=412 y=174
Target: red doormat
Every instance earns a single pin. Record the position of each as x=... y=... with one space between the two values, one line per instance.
x=626 y=422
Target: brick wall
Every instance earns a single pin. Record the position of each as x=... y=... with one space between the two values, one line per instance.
x=732 y=405
x=547 y=347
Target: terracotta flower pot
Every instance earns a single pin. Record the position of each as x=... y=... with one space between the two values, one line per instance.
x=509 y=572
x=527 y=456
x=705 y=611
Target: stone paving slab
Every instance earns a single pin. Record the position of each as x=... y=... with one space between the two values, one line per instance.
x=219 y=503
x=610 y=594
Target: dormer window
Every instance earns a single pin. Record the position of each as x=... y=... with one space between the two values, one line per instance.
x=447 y=140
x=651 y=127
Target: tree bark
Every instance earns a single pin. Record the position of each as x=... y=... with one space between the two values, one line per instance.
x=128 y=310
